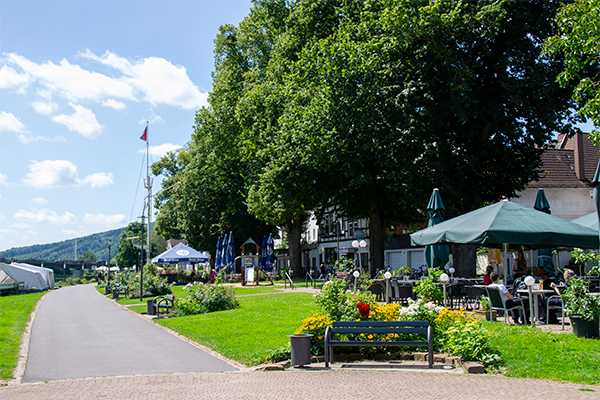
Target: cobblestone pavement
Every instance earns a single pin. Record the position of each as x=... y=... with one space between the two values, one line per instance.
x=310 y=383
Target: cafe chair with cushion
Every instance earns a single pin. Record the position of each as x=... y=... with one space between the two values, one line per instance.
x=557 y=304
x=498 y=304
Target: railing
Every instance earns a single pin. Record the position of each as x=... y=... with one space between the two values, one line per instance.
x=309 y=277
x=289 y=278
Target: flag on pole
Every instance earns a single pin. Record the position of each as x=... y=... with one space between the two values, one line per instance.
x=144 y=136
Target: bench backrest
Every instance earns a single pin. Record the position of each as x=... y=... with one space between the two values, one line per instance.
x=342 y=327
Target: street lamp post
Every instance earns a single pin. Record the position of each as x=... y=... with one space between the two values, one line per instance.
x=387 y=277
x=529 y=281
x=444 y=278
x=108 y=263
x=356 y=274
x=358 y=245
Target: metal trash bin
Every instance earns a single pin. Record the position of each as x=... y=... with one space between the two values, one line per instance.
x=300 y=349
x=115 y=294
x=150 y=307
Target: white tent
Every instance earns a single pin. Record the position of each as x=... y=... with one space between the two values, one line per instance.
x=5 y=278
x=32 y=280
x=47 y=273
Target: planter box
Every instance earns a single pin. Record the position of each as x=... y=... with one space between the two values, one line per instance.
x=583 y=328
x=485 y=314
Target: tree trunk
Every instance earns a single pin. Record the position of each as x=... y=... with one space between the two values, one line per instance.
x=377 y=226
x=464 y=260
x=294 y=234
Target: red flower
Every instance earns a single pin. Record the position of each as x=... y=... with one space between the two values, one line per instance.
x=363 y=309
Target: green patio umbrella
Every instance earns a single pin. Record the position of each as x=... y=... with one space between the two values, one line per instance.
x=590 y=220
x=544 y=255
x=510 y=223
x=436 y=255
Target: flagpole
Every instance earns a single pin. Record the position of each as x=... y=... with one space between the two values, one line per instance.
x=149 y=187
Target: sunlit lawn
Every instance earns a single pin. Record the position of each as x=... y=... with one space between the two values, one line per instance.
x=14 y=314
x=532 y=353
x=250 y=333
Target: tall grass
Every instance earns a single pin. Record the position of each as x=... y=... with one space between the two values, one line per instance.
x=14 y=314
x=250 y=333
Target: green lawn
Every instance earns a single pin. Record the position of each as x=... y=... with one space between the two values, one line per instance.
x=532 y=353
x=250 y=333
x=14 y=314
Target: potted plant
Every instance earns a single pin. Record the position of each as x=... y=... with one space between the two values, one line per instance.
x=405 y=270
x=490 y=315
x=582 y=308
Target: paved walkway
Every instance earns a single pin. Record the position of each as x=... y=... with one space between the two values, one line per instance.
x=308 y=384
x=77 y=333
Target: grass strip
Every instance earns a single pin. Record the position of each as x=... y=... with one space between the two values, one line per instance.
x=533 y=353
x=250 y=333
x=14 y=314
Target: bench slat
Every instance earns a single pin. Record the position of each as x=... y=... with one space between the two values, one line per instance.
x=379 y=323
x=377 y=343
x=336 y=331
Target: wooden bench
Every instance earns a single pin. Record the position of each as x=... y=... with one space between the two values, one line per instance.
x=378 y=329
x=163 y=302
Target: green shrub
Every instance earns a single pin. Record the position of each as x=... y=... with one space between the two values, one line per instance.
x=428 y=288
x=337 y=303
x=201 y=298
x=281 y=354
x=467 y=338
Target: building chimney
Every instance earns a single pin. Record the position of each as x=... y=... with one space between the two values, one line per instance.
x=579 y=162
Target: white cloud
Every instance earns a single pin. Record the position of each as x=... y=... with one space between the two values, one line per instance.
x=117 y=105
x=52 y=173
x=28 y=139
x=99 y=179
x=74 y=233
x=101 y=219
x=161 y=150
x=82 y=121
x=11 y=78
x=46 y=215
x=1 y=217
x=39 y=201
x=157 y=79
x=71 y=81
x=3 y=179
x=10 y=123
x=151 y=79
x=44 y=108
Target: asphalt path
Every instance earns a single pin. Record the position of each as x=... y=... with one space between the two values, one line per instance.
x=77 y=333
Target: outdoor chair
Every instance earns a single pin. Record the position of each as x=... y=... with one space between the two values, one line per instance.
x=405 y=292
x=498 y=304
x=472 y=296
x=560 y=305
x=377 y=290
x=456 y=294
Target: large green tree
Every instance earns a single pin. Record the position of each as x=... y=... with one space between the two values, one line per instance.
x=408 y=95
x=578 y=40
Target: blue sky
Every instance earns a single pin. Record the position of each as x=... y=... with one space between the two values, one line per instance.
x=78 y=81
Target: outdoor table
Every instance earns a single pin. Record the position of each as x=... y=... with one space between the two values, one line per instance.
x=536 y=294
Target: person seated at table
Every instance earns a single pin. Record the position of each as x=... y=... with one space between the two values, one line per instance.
x=511 y=301
x=555 y=301
x=488 y=271
x=538 y=273
x=519 y=268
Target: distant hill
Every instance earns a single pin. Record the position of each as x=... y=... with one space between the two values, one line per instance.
x=65 y=250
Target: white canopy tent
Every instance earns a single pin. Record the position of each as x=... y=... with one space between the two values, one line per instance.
x=47 y=273
x=32 y=280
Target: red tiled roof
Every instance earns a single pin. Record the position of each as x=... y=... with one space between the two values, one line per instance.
x=558 y=170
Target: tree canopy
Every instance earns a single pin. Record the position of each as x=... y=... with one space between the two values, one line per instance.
x=578 y=40
x=366 y=106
